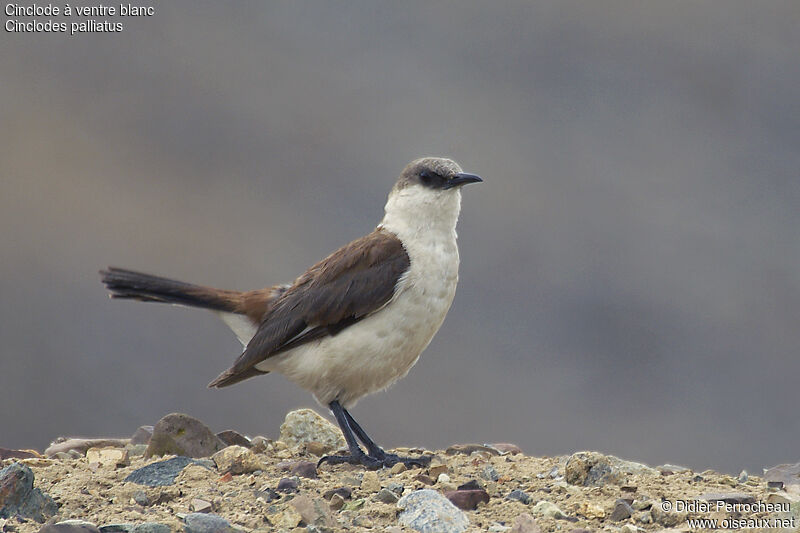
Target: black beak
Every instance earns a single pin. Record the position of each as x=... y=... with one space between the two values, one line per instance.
x=461 y=179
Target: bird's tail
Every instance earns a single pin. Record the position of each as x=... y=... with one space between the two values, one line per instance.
x=132 y=285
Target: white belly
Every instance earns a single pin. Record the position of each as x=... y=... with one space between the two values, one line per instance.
x=381 y=348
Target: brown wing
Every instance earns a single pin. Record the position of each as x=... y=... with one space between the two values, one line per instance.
x=332 y=295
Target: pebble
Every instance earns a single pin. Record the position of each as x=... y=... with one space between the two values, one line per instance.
x=743 y=477
x=183 y=435
x=260 y=444
x=548 y=509
x=427 y=511
x=70 y=526
x=436 y=470
x=520 y=496
x=123 y=527
x=422 y=478
x=18 y=497
x=396 y=487
x=5 y=453
x=136 y=450
x=622 y=511
x=206 y=523
x=150 y=527
x=354 y=505
x=398 y=468
x=286 y=485
x=387 y=496
x=200 y=506
x=443 y=478
x=785 y=475
x=81 y=445
x=142 y=435
x=666 y=519
x=525 y=523
x=467 y=500
x=668 y=469
x=234 y=438
x=159 y=474
x=370 y=482
x=305 y=425
x=730 y=497
x=140 y=497
x=305 y=469
x=344 y=492
x=489 y=473
x=313 y=510
x=592 y=510
x=507 y=447
x=469 y=449
x=362 y=521
x=593 y=469
x=288 y=519
x=628 y=528
x=108 y=456
x=237 y=460
x=336 y=502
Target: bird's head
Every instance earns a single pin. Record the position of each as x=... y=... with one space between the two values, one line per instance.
x=428 y=193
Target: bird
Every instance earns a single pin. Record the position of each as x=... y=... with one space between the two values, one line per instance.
x=355 y=322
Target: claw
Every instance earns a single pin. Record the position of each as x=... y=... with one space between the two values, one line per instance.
x=387 y=460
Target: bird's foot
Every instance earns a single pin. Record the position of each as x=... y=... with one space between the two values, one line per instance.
x=382 y=460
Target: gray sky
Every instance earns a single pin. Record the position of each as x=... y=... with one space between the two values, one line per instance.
x=629 y=279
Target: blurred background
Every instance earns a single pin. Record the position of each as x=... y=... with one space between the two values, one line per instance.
x=630 y=277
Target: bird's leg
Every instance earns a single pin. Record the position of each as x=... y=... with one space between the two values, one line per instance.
x=357 y=455
x=375 y=456
x=375 y=451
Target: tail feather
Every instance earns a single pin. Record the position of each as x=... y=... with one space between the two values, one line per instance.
x=127 y=284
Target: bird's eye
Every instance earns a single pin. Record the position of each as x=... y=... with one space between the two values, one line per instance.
x=427 y=177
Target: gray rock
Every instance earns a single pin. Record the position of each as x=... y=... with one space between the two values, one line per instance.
x=427 y=511
x=286 y=485
x=489 y=473
x=519 y=496
x=304 y=425
x=206 y=523
x=743 y=477
x=622 y=511
x=592 y=469
x=142 y=435
x=150 y=527
x=70 y=526
x=180 y=434
x=19 y=498
x=387 y=496
x=159 y=474
x=396 y=487
x=234 y=438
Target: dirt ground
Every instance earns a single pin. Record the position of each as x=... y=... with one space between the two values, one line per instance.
x=99 y=494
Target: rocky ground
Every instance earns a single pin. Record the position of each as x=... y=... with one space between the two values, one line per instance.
x=179 y=476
